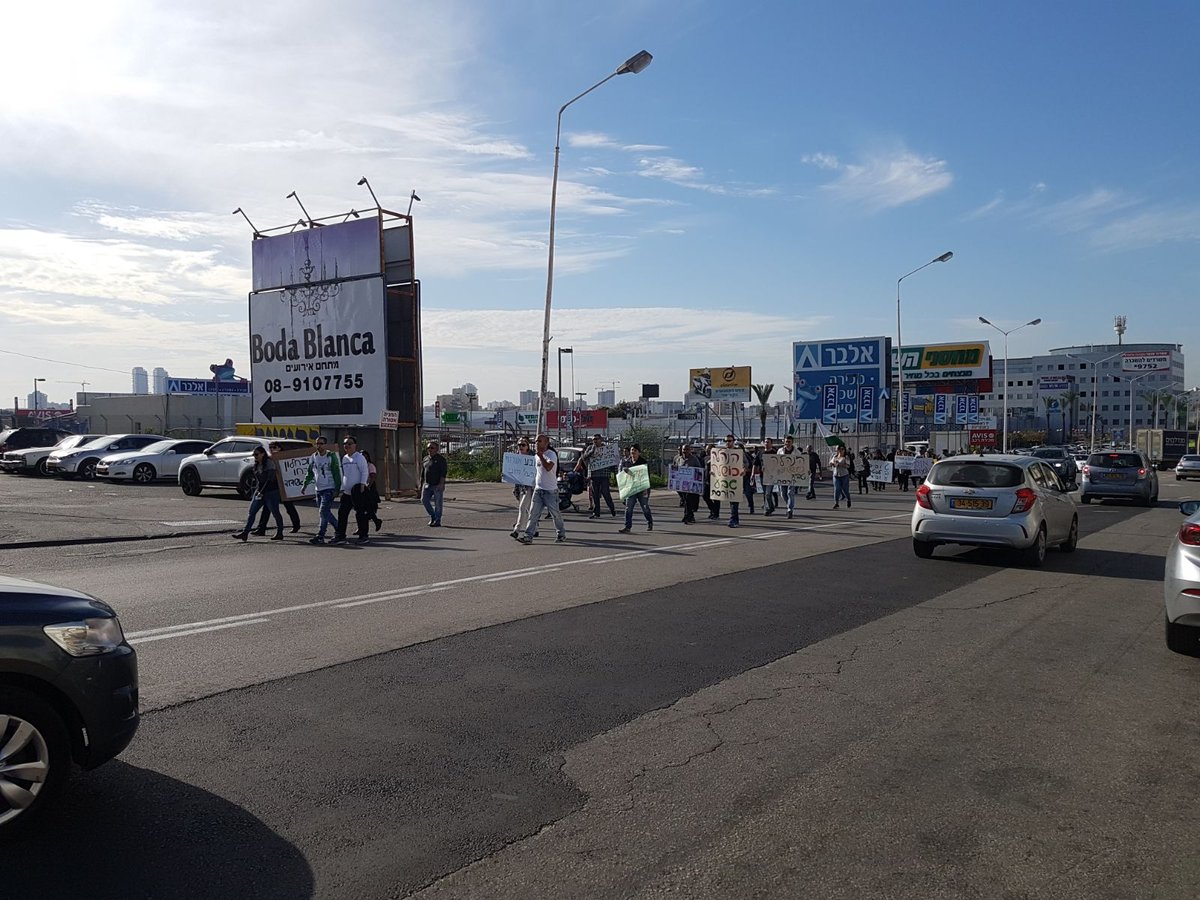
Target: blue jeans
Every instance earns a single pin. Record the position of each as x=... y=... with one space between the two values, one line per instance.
x=841 y=488
x=644 y=499
x=431 y=499
x=543 y=499
x=789 y=496
x=325 y=512
x=271 y=501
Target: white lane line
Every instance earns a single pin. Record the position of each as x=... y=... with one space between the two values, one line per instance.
x=518 y=575
x=199 y=522
x=175 y=634
x=187 y=628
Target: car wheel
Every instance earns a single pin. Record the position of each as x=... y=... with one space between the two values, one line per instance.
x=144 y=473
x=1183 y=639
x=189 y=481
x=35 y=756
x=1035 y=554
x=87 y=469
x=923 y=549
x=1085 y=499
x=1072 y=541
x=39 y=468
x=245 y=485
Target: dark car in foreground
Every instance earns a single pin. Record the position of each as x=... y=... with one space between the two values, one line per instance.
x=68 y=693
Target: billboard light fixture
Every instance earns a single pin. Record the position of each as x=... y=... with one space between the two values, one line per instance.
x=363 y=181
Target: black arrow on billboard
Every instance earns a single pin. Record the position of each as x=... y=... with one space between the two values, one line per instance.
x=336 y=406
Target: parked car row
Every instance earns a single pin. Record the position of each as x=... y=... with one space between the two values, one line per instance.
x=138 y=458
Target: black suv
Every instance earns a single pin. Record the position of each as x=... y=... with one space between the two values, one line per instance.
x=68 y=692
x=24 y=438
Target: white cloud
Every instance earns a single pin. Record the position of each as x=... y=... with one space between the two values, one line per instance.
x=590 y=139
x=821 y=160
x=986 y=209
x=1147 y=227
x=885 y=182
x=682 y=174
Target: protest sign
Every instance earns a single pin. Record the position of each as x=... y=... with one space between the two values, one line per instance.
x=904 y=463
x=293 y=467
x=686 y=480
x=633 y=481
x=881 y=470
x=607 y=456
x=725 y=468
x=921 y=466
x=786 y=470
x=519 y=468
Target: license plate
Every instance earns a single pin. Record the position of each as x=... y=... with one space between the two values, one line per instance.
x=1114 y=476
x=970 y=502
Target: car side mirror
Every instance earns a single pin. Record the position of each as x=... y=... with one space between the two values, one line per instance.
x=1189 y=507
x=209 y=451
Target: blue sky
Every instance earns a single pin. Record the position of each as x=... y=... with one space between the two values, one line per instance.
x=767 y=179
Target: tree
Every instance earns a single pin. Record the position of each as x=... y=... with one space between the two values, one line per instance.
x=1069 y=400
x=1049 y=402
x=763 y=393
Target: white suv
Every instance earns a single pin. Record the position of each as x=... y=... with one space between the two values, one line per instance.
x=227 y=463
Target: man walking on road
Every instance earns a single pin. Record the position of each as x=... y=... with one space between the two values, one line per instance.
x=524 y=495
x=325 y=473
x=545 y=492
x=433 y=484
x=769 y=500
x=789 y=490
x=814 y=469
x=354 y=482
x=598 y=475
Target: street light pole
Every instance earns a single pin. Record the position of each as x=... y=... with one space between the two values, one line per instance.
x=1129 y=434
x=633 y=65
x=1004 y=444
x=561 y=351
x=35 y=394
x=945 y=257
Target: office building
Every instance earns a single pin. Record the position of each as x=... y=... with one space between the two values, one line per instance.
x=141 y=381
x=160 y=380
x=606 y=398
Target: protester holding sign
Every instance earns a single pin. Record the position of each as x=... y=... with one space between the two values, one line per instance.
x=599 y=460
x=687 y=477
x=726 y=465
x=636 y=474
x=516 y=471
x=265 y=481
x=325 y=473
x=789 y=490
x=545 y=492
x=276 y=448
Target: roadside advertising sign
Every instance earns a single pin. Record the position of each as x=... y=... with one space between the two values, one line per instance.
x=519 y=468
x=292 y=469
x=527 y=419
x=583 y=418
x=846 y=365
x=315 y=255
x=881 y=470
x=940 y=412
x=686 y=480
x=786 y=469
x=320 y=362
x=1146 y=361
x=906 y=405
x=960 y=409
x=945 y=362
x=982 y=437
x=206 y=386
x=726 y=468
x=730 y=383
x=1054 y=385
x=866 y=404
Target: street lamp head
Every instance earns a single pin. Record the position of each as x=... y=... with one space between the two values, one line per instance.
x=362 y=181
x=946 y=257
x=984 y=321
x=635 y=63
x=1034 y=322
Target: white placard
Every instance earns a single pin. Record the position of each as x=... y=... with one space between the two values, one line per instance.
x=881 y=470
x=904 y=463
x=519 y=468
x=921 y=466
x=320 y=360
x=607 y=456
x=790 y=470
x=293 y=467
x=726 y=468
x=389 y=418
x=686 y=479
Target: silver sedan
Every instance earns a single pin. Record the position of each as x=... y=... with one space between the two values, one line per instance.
x=1181 y=585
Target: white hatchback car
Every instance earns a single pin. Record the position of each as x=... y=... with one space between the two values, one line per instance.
x=1006 y=501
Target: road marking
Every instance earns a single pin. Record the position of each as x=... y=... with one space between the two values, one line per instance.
x=198 y=522
x=190 y=628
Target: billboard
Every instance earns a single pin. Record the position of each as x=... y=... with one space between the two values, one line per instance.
x=945 y=362
x=1055 y=385
x=1146 y=361
x=313 y=255
x=829 y=376
x=582 y=418
x=206 y=386
x=320 y=361
x=730 y=383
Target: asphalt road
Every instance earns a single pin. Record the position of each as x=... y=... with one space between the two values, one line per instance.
x=789 y=709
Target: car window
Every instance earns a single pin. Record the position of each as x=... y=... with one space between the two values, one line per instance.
x=294 y=445
x=1189 y=458
x=242 y=447
x=1049 y=477
x=975 y=473
x=189 y=447
x=1050 y=454
x=1115 y=460
x=5 y=435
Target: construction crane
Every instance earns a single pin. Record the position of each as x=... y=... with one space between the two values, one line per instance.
x=82 y=384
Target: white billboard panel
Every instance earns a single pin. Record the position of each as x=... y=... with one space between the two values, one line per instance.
x=1146 y=361
x=320 y=359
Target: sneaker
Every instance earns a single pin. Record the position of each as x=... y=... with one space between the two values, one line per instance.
x=525 y=539
x=613 y=512
x=769 y=512
x=836 y=506
x=594 y=516
x=649 y=526
x=316 y=540
x=713 y=516
x=561 y=539
x=240 y=535
x=295 y=528
x=435 y=524
x=513 y=533
x=734 y=523
x=624 y=530
x=789 y=513
x=277 y=536
x=378 y=523
x=362 y=540
x=338 y=540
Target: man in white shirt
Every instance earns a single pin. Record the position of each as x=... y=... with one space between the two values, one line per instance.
x=545 y=492
x=354 y=482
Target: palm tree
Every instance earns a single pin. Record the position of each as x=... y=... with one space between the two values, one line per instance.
x=1182 y=408
x=1069 y=399
x=1048 y=402
x=1158 y=398
x=763 y=393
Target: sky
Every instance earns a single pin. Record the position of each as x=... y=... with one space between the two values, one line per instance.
x=766 y=180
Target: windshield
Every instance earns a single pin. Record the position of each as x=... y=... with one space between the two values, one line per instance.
x=159 y=446
x=95 y=443
x=1189 y=458
x=973 y=473
x=1115 y=460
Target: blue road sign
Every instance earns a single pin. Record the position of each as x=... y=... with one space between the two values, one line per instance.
x=206 y=386
x=848 y=365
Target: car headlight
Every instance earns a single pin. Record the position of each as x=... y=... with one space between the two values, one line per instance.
x=87 y=638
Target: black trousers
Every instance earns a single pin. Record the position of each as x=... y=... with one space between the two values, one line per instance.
x=350 y=504
x=691 y=503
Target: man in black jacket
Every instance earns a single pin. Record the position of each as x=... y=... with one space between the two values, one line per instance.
x=433 y=484
x=814 y=469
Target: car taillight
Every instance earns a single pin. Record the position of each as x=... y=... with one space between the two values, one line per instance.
x=1190 y=534
x=1084 y=470
x=1026 y=497
x=1141 y=473
x=923 y=500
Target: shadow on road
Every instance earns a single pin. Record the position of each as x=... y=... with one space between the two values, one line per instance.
x=1102 y=563
x=121 y=831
